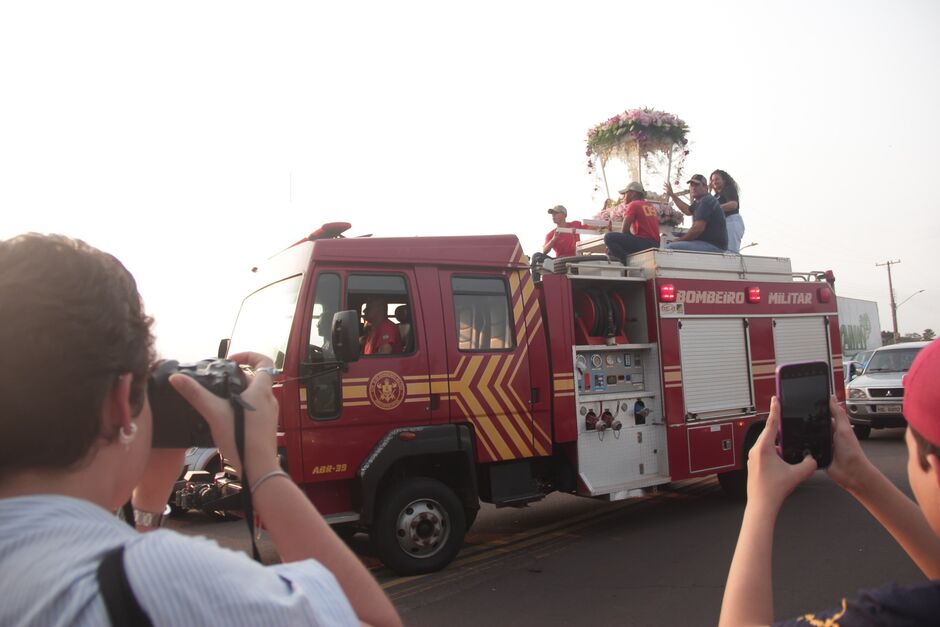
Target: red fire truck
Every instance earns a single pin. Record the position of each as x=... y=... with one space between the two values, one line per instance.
x=517 y=379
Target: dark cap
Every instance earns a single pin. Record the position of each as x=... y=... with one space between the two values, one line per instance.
x=698 y=178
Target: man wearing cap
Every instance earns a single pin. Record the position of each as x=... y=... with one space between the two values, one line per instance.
x=640 y=227
x=708 y=232
x=914 y=525
x=564 y=244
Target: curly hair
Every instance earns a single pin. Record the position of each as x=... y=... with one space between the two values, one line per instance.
x=71 y=322
x=729 y=182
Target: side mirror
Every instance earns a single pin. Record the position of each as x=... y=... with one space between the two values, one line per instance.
x=345 y=336
x=223 y=347
x=853 y=371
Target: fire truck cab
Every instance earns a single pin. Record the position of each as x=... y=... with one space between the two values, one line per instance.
x=517 y=379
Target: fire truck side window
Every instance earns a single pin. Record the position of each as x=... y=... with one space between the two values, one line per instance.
x=481 y=310
x=326 y=302
x=393 y=291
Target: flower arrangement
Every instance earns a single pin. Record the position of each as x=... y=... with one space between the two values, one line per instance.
x=636 y=133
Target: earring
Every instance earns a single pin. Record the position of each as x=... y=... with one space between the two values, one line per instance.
x=126 y=437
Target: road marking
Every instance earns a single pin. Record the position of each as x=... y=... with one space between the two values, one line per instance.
x=480 y=557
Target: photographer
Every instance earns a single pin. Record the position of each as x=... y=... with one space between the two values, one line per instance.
x=748 y=598
x=75 y=432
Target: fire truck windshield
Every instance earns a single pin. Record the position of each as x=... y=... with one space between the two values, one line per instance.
x=265 y=318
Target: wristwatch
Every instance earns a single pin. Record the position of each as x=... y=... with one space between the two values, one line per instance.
x=147 y=519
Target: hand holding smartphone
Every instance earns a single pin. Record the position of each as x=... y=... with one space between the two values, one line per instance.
x=805 y=420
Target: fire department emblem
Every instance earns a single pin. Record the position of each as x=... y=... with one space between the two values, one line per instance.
x=386 y=390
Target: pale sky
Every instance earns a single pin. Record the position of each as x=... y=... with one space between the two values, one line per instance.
x=192 y=140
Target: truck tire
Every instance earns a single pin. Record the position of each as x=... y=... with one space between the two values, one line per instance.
x=734 y=483
x=861 y=431
x=419 y=526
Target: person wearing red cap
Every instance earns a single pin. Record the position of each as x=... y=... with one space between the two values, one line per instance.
x=564 y=244
x=748 y=598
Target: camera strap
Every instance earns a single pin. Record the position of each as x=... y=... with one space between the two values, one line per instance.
x=239 y=406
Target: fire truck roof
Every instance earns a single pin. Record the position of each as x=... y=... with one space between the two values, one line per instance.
x=464 y=250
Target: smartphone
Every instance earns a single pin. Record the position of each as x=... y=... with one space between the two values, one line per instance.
x=805 y=420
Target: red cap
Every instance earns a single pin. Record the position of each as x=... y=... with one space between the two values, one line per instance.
x=922 y=393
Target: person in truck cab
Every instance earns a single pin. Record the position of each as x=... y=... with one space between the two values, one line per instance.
x=914 y=524
x=564 y=244
x=382 y=336
x=75 y=439
x=709 y=232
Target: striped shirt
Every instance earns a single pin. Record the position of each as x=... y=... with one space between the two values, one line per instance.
x=50 y=548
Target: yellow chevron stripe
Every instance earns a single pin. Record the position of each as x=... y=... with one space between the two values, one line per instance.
x=357 y=380
x=481 y=419
x=415 y=377
x=303 y=394
x=439 y=387
x=563 y=375
x=513 y=282
x=673 y=385
x=763 y=361
x=535 y=329
x=770 y=368
x=563 y=394
x=670 y=377
x=521 y=415
x=482 y=440
x=418 y=399
x=439 y=376
x=356 y=403
x=566 y=384
x=487 y=393
x=527 y=289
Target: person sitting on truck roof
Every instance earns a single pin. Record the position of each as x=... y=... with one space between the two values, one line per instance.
x=640 y=227
x=382 y=336
x=726 y=191
x=915 y=525
x=708 y=232
x=75 y=437
x=564 y=244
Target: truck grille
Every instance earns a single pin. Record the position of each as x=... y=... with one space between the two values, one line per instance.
x=897 y=393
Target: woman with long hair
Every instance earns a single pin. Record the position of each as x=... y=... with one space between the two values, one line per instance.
x=725 y=189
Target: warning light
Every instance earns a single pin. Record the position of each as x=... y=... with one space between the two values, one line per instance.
x=753 y=294
x=825 y=294
x=667 y=293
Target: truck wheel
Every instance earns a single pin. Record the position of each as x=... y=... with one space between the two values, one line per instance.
x=419 y=527
x=734 y=483
x=861 y=431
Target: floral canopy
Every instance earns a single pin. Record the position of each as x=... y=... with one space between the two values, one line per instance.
x=638 y=136
x=643 y=139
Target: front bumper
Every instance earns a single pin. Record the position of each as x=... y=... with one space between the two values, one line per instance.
x=876 y=414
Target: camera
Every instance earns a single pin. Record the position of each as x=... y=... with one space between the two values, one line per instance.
x=176 y=423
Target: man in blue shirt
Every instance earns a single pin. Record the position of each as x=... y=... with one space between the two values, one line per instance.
x=708 y=233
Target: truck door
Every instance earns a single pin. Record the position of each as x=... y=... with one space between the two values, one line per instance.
x=380 y=391
x=488 y=378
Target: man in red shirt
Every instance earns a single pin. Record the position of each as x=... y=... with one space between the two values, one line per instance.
x=382 y=336
x=564 y=244
x=640 y=228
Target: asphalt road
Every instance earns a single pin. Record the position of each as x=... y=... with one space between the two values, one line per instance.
x=659 y=560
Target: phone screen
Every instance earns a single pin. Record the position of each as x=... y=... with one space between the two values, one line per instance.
x=806 y=425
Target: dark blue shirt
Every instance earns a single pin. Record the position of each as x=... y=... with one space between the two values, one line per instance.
x=889 y=606
x=709 y=211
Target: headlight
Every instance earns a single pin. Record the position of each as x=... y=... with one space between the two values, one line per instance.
x=857 y=393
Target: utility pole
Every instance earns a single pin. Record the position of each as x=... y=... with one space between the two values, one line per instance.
x=894 y=307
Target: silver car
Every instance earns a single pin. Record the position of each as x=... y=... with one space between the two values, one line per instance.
x=875 y=398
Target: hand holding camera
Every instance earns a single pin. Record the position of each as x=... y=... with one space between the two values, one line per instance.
x=203 y=393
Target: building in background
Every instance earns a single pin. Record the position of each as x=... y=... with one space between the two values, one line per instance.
x=859 y=325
